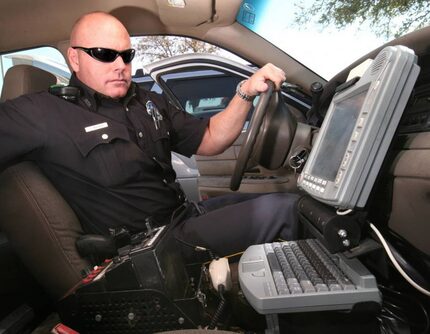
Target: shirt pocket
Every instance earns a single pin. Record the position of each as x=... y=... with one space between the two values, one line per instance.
x=87 y=141
x=101 y=150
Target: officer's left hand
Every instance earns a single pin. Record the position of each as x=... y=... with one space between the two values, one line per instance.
x=256 y=83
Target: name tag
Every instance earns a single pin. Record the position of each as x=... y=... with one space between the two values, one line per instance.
x=96 y=127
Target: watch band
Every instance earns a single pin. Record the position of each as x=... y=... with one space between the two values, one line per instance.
x=242 y=95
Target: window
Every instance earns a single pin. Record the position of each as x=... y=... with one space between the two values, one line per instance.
x=202 y=91
x=199 y=90
x=150 y=49
x=46 y=58
x=145 y=81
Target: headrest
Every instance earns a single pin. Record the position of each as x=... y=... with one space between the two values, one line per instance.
x=24 y=79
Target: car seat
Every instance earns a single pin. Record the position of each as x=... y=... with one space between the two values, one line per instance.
x=41 y=227
x=37 y=221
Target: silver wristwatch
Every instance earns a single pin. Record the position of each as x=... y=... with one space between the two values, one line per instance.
x=242 y=95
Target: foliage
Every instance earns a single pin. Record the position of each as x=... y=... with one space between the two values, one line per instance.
x=387 y=18
x=153 y=48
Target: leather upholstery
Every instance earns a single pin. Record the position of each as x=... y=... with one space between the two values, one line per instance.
x=41 y=227
x=38 y=223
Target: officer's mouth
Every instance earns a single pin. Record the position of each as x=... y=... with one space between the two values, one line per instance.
x=119 y=82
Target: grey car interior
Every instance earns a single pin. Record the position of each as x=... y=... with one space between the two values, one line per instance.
x=140 y=283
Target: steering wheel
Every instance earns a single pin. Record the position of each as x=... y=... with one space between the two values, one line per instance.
x=269 y=136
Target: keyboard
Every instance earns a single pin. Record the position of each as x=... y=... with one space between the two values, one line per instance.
x=302 y=276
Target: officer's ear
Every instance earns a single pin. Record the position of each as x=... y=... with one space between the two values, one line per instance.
x=72 y=56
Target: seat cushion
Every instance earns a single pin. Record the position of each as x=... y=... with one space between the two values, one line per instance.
x=41 y=227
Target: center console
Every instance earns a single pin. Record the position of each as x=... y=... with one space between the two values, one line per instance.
x=144 y=289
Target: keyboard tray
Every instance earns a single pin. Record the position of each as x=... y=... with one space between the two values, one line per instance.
x=302 y=276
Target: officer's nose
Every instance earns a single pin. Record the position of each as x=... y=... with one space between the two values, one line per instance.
x=119 y=63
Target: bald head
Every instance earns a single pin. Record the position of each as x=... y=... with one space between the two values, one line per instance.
x=97 y=27
x=100 y=30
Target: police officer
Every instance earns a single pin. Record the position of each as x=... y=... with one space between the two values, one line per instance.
x=108 y=154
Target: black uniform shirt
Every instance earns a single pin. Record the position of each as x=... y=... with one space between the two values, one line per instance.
x=107 y=157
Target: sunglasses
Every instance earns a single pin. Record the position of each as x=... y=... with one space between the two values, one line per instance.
x=108 y=55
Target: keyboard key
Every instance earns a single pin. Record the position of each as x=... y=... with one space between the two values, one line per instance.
x=307 y=286
x=321 y=287
x=273 y=262
x=335 y=287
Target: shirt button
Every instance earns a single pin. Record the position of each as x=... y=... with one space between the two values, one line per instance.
x=140 y=134
x=105 y=136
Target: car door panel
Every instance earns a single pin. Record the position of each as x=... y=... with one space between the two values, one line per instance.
x=215 y=174
x=221 y=164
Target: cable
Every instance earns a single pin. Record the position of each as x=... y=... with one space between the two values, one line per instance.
x=195 y=247
x=220 y=308
x=227 y=256
x=395 y=263
x=234 y=254
x=343 y=213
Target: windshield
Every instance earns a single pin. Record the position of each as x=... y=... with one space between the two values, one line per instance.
x=327 y=36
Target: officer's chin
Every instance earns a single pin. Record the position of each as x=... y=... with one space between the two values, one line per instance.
x=117 y=93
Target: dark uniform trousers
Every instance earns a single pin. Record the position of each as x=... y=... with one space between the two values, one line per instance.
x=229 y=224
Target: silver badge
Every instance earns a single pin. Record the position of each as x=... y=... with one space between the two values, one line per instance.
x=152 y=111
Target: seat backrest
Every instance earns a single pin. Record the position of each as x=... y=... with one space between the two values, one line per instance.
x=37 y=221
x=41 y=227
x=24 y=79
